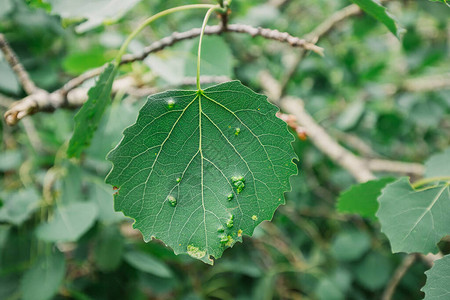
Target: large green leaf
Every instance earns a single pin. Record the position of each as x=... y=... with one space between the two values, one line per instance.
x=199 y=169
x=42 y=280
x=414 y=220
x=362 y=198
x=379 y=12
x=90 y=114
x=69 y=223
x=438 y=277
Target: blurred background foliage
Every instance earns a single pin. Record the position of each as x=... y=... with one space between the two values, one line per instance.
x=59 y=235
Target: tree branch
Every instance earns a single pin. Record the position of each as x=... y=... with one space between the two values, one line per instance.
x=43 y=101
x=11 y=57
x=325 y=143
x=383 y=165
x=407 y=262
x=321 y=30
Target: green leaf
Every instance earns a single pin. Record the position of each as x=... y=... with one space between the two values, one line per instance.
x=95 y=13
x=90 y=114
x=199 y=169
x=18 y=207
x=438 y=165
x=441 y=1
x=101 y=194
x=69 y=223
x=414 y=220
x=146 y=263
x=438 y=277
x=334 y=285
x=362 y=198
x=374 y=271
x=379 y=12
x=10 y=160
x=78 y=62
x=350 y=245
x=108 y=249
x=351 y=116
x=42 y=280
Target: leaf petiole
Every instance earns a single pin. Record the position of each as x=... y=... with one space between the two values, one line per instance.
x=202 y=33
x=148 y=21
x=425 y=181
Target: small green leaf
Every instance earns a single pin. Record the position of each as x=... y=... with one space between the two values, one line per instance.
x=146 y=263
x=101 y=194
x=191 y=153
x=42 y=280
x=78 y=62
x=69 y=223
x=414 y=220
x=374 y=271
x=438 y=165
x=10 y=160
x=108 y=249
x=379 y=12
x=362 y=198
x=90 y=114
x=438 y=277
x=350 y=245
x=18 y=207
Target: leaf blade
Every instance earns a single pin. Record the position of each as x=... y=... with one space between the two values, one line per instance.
x=70 y=222
x=42 y=280
x=192 y=143
x=438 y=277
x=89 y=116
x=362 y=198
x=380 y=13
x=408 y=216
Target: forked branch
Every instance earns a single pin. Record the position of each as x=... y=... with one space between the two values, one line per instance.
x=58 y=99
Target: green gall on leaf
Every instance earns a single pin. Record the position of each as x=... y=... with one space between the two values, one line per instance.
x=239 y=183
x=230 y=222
x=172 y=200
x=170 y=104
x=195 y=252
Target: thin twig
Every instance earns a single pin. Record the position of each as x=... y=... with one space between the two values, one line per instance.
x=321 y=30
x=11 y=57
x=193 y=33
x=407 y=262
x=354 y=142
x=61 y=98
x=384 y=165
